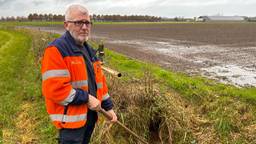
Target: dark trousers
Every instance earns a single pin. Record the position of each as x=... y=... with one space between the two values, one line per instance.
x=80 y=135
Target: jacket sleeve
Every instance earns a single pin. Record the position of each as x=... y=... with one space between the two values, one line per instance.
x=56 y=80
x=107 y=103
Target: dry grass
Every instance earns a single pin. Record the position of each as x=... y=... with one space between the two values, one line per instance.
x=162 y=116
x=26 y=125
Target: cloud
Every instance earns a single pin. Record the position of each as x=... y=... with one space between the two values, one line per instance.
x=38 y=2
x=5 y=3
x=170 y=8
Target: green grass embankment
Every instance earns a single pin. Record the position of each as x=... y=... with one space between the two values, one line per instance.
x=23 y=116
x=13 y=50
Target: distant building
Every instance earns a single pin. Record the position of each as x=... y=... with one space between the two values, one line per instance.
x=252 y=19
x=220 y=18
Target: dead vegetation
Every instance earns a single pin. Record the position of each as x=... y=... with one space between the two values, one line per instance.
x=162 y=116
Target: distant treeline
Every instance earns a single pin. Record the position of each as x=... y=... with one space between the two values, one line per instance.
x=94 y=17
x=104 y=18
x=118 y=18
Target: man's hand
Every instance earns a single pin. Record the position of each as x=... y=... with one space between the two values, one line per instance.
x=113 y=115
x=94 y=103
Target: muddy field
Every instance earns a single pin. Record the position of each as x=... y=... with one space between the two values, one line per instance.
x=223 y=51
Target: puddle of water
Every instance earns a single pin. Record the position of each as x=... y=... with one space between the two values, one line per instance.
x=170 y=47
x=232 y=74
x=130 y=42
x=229 y=73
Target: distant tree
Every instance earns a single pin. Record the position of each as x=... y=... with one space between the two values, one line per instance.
x=54 y=17
x=60 y=17
x=18 y=18
x=45 y=17
x=2 y=18
x=99 y=18
x=94 y=17
x=50 y=17
x=11 y=18
x=30 y=17
x=35 y=17
x=40 y=17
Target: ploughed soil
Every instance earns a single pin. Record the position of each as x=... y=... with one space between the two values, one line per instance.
x=224 y=51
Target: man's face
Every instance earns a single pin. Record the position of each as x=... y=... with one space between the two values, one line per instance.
x=79 y=26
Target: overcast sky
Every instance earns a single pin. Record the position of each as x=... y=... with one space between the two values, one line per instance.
x=163 y=8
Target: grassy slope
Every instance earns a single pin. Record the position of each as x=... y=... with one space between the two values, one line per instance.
x=23 y=117
x=11 y=64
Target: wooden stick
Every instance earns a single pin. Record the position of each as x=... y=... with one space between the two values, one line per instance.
x=122 y=125
x=111 y=71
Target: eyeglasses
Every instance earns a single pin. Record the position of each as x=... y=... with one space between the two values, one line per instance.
x=80 y=23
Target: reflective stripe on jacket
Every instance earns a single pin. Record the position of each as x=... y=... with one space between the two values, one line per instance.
x=64 y=74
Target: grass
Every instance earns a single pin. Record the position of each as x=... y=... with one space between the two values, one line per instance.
x=12 y=53
x=23 y=116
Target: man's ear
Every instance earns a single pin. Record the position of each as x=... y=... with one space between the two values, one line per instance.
x=66 y=25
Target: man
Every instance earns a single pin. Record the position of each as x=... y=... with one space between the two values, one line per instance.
x=73 y=83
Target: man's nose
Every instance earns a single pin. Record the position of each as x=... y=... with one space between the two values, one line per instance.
x=84 y=26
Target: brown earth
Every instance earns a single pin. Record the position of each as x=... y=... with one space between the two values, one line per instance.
x=183 y=47
x=230 y=34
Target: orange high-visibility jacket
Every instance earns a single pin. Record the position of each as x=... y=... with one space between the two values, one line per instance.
x=64 y=77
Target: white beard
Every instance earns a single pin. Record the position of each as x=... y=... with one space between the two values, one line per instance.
x=86 y=38
x=78 y=39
